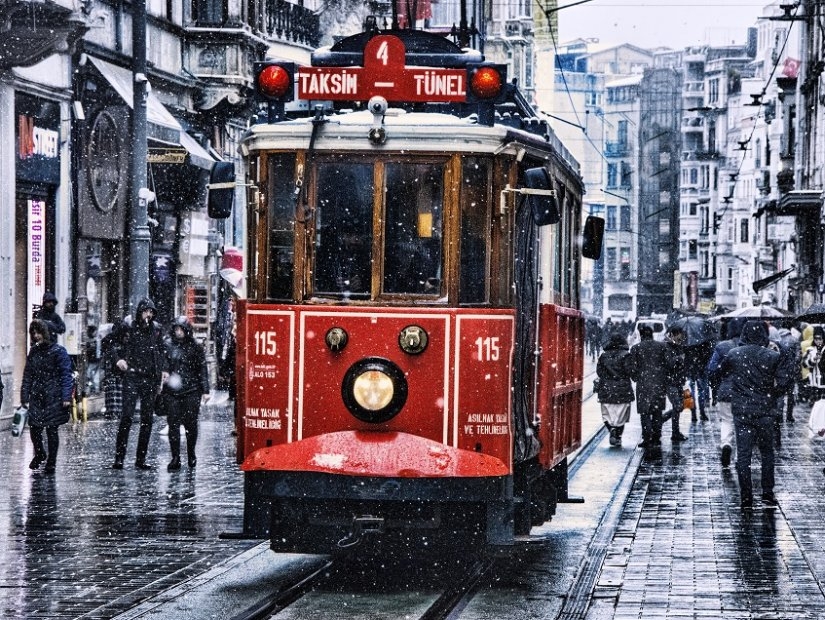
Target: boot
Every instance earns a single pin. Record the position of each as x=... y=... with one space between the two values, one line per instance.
x=615 y=440
x=703 y=415
x=174 y=464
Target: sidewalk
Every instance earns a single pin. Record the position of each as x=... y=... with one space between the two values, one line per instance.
x=684 y=549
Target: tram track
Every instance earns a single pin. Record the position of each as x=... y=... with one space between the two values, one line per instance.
x=447 y=603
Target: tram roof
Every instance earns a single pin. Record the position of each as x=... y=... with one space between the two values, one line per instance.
x=425 y=131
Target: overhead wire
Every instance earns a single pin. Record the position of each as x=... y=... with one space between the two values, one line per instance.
x=758 y=114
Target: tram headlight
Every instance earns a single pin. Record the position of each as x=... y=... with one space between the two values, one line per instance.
x=374 y=390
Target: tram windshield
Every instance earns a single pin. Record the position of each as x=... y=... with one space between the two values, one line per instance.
x=412 y=214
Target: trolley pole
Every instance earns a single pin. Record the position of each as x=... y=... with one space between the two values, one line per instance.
x=139 y=237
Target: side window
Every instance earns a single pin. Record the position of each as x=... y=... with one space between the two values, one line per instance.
x=343 y=235
x=414 y=212
x=475 y=224
x=281 y=183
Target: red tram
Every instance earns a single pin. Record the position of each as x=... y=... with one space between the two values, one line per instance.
x=410 y=354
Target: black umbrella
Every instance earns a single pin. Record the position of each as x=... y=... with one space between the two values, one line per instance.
x=697 y=329
x=814 y=314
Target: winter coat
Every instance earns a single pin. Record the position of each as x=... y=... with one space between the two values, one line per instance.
x=649 y=369
x=722 y=388
x=675 y=364
x=186 y=364
x=757 y=376
x=111 y=348
x=804 y=345
x=47 y=384
x=613 y=370
x=53 y=321
x=144 y=351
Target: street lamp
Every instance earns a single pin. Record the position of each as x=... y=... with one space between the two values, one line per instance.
x=139 y=237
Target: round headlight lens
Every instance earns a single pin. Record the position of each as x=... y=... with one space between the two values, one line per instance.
x=373 y=390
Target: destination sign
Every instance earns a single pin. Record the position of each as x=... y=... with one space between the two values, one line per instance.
x=384 y=74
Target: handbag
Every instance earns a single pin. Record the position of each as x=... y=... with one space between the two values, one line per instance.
x=18 y=422
x=687 y=402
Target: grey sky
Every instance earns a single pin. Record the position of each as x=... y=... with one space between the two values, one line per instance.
x=651 y=23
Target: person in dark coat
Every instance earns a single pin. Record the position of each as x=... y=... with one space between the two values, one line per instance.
x=111 y=350
x=648 y=368
x=615 y=389
x=675 y=371
x=722 y=388
x=697 y=357
x=143 y=362
x=46 y=391
x=184 y=390
x=757 y=379
x=49 y=314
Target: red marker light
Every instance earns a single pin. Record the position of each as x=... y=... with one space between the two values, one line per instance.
x=274 y=81
x=485 y=82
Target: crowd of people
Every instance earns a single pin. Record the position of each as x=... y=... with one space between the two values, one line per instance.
x=752 y=376
x=146 y=369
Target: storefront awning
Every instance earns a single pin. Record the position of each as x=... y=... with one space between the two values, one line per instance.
x=161 y=125
x=773 y=278
x=800 y=202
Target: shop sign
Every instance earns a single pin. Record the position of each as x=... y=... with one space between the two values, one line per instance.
x=36 y=255
x=38 y=139
x=166 y=155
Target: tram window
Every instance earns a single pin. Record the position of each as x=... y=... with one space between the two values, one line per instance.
x=281 y=224
x=414 y=224
x=475 y=207
x=343 y=236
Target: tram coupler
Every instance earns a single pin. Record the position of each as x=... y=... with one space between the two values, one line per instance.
x=362 y=525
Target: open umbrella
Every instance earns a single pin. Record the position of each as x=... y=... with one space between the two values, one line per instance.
x=762 y=311
x=697 y=329
x=814 y=314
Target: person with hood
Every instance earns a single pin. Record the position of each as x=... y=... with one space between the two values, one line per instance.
x=722 y=389
x=791 y=351
x=615 y=389
x=48 y=314
x=185 y=389
x=143 y=362
x=46 y=391
x=649 y=370
x=757 y=377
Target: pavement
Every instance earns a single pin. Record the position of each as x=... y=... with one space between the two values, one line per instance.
x=92 y=542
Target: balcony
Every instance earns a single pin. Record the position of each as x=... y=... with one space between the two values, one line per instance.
x=617 y=149
x=35 y=30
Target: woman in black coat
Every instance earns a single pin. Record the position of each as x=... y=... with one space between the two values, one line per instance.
x=615 y=389
x=46 y=392
x=187 y=385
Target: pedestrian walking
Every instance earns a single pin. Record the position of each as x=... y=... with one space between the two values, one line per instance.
x=675 y=375
x=804 y=387
x=111 y=350
x=696 y=361
x=143 y=362
x=757 y=378
x=46 y=391
x=615 y=389
x=648 y=368
x=722 y=388
x=185 y=389
x=48 y=313
x=814 y=361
